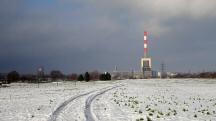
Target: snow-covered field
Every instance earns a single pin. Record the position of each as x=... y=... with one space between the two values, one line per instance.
x=125 y=100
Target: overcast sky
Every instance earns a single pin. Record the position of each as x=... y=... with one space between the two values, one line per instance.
x=84 y=35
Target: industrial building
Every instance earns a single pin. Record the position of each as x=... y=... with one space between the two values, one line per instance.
x=146 y=62
x=146 y=67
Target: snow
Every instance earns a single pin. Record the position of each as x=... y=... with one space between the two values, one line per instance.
x=161 y=100
x=30 y=102
x=133 y=100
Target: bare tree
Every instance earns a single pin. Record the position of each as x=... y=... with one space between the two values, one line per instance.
x=73 y=76
x=94 y=75
x=56 y=74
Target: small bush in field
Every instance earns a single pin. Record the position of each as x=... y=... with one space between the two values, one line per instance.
x=140 y=111
x=150 y=114
x=148 y=118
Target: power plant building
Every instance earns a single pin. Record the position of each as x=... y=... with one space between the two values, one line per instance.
x=146 y=63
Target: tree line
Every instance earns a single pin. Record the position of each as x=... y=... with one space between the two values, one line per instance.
x=54 y=75
x=196 y=75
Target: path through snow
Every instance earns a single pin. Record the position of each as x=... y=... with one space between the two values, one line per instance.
x=90 y=116
x=88 y=113
x=55 y=114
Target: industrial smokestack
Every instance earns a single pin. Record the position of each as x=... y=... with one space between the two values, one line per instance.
x=145 y=44
x=146 y=64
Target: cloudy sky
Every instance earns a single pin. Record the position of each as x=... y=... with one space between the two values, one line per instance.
x=85 y=35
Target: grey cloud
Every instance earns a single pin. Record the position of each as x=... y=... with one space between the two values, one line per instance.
x=101 y=34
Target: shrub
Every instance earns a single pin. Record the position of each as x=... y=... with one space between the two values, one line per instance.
x=87 y=76
x=148 y=118
x=140 y=111
x=184 y=109
x=161 y=113
x=13 y=76
x=80 y=77
x=105 y=76
x=150 y=114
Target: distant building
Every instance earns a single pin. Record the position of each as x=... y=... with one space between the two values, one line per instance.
x=118 y=75
x=155 y=74
x=171 y=74
x=146 y=67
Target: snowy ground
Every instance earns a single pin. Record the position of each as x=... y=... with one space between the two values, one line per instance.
x=125 y=100
x=28 y=102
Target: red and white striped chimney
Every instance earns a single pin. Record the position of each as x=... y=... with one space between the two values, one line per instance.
x=145 y=44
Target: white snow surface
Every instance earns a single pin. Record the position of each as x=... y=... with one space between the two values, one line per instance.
x=130 y=100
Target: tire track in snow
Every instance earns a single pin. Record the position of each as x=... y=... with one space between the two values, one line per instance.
x=58 y=110
x=88 y=112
